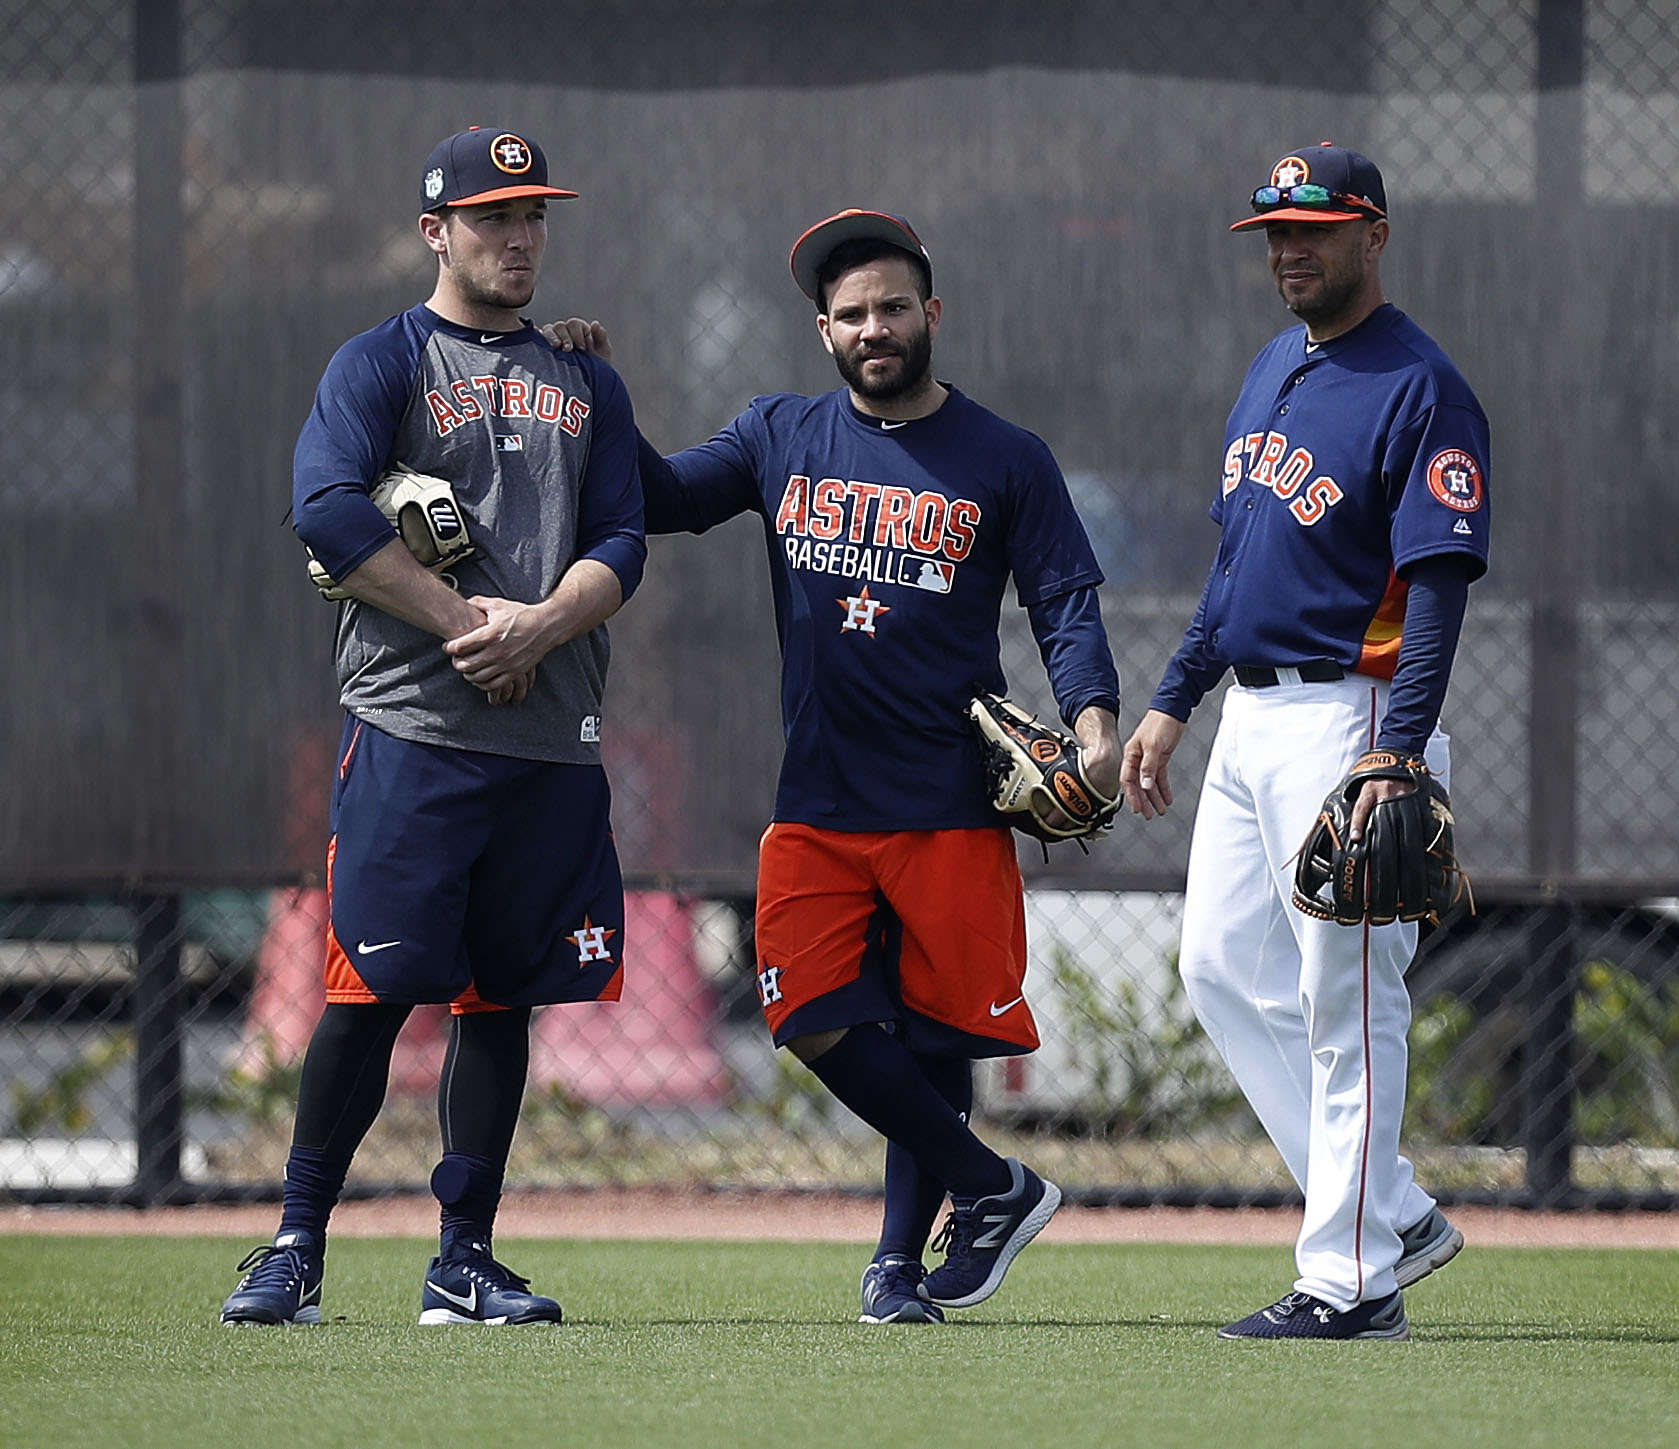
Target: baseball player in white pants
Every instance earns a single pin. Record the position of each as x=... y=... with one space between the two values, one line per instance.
x=1352 y=515
x=1310 y=1016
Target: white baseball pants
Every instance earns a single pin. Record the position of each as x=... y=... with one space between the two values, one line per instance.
x=1310 y=1016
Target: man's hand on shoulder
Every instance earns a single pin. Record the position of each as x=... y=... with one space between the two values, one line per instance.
x=577 y=335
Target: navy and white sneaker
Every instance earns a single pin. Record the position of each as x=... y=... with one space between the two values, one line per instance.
x=892 y=1293
x=1299 y=1315
x=981 y=1239
x=1428 y=1245
x=474 y=1288
x=282 y=1282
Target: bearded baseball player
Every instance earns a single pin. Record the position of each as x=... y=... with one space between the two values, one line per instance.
x=890 y=920
x=471 y=859
x=1353 y=514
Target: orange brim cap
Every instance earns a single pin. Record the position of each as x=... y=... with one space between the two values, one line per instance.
x=507 y=193
x=817 y=244
x=1299 y=213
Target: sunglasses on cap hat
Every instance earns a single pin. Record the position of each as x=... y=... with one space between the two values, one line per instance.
x=1309 y=193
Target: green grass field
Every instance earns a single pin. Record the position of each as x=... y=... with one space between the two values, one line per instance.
x=113 y=1342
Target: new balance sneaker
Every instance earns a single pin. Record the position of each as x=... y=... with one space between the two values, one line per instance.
x=282 y=1282
x=891 y=1293
x=474 y=1288
x=1299 y=1315
x=1427 y=1245
x=981 y=1239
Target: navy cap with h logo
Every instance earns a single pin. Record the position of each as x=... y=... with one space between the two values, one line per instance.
x=484 y=164
x=1325 y=182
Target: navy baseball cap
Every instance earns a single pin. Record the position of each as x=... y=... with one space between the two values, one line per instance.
x=1324 y=182
x=484 y=164
x=814 y=248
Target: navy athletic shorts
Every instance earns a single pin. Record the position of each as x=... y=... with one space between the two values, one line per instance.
x=475 y=879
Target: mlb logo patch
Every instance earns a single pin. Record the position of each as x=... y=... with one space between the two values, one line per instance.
x=935 y=577
x=510 y=443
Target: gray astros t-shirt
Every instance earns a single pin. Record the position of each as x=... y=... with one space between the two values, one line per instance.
x=539 y=447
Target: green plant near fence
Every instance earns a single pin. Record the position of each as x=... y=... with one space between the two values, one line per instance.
x=63 y=1099
x=1628 y=1077
x=1152 y=1072
x=1465 y=1063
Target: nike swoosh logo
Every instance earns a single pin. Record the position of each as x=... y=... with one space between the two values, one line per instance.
x=363 y=949
x=491 y=336
x=470 y=1302
x=887 y=427
x=1007 y=1006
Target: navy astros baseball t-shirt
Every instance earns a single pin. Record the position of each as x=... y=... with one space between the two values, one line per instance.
x=890 y=546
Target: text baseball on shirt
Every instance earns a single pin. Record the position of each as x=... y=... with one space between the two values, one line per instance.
x=879 y=531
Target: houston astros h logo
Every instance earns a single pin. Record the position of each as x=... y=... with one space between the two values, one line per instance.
x=1290 y=171
x=861 y=611
x=590 y=941
x=511 y=154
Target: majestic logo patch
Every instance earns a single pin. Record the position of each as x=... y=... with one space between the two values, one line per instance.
x=511 y=154
x=1454 y=477
x=1290 y=171
x=589 y=731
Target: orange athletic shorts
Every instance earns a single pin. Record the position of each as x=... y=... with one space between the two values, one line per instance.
x=922 y=928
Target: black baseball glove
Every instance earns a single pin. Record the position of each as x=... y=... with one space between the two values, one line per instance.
x=1405 y=867
x=1032 y=771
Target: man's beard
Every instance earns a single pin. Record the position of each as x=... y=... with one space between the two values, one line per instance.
x=916 y=359
x=1331 y=298
x=497 y=291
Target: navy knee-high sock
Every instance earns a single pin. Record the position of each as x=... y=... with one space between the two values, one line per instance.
x=914 y=1195
x=477 y=1111
x=345 y=1073
x=883 y=1082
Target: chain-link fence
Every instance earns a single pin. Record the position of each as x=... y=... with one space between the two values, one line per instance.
x=209 y=196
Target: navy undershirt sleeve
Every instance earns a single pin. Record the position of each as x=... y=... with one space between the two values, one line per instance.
x=1074 y=647
x=1193 y=670
x=1437 y=596
x=345 y=444
x=609 y=512
x=698 y=488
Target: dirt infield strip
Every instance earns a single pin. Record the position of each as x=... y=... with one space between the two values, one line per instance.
x=808 y=1217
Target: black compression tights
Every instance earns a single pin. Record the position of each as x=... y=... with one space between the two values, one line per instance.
x=349 y=1064
x=344 y=1076
x=484 y=1082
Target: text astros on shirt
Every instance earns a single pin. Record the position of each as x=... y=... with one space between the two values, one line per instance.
x=1340 y=467
x=890 y=550
x=510 y=422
